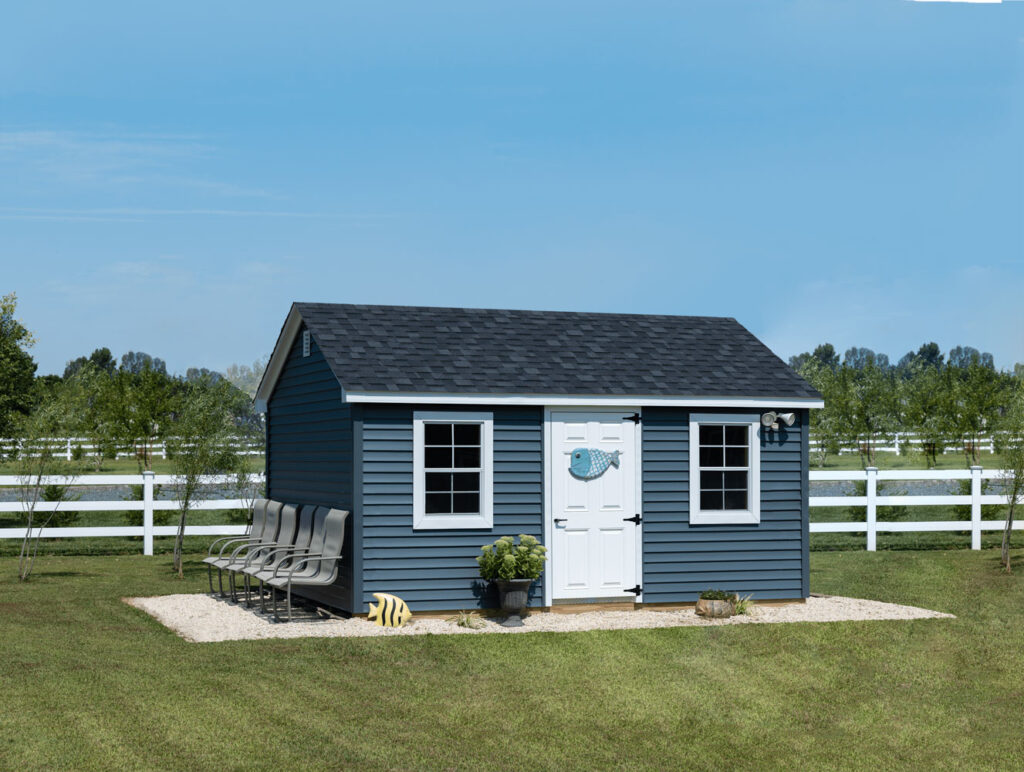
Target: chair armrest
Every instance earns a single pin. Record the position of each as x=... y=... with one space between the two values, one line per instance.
x=251 y=546
x=304 y=561
x=229 y=540
x=267 y=556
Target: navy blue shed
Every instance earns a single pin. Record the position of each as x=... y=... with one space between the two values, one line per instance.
x=655 y=456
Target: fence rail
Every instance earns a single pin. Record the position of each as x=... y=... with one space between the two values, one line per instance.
x=148 y=505
x=65 y=446
x=871 y=526
x=898 y=442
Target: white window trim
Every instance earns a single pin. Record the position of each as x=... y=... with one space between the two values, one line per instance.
x=485 y=519
x=752 y=514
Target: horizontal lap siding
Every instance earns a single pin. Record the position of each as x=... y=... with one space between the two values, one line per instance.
x=434 y=570
x=768 y=560
x=309 y=457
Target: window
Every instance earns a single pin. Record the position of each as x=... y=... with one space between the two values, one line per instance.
x=724 y=470
x=452 y=475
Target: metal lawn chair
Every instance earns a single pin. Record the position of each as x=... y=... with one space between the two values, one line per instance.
x=263 y=567
x=216 y=553
x=316 y=569
x=284 y=537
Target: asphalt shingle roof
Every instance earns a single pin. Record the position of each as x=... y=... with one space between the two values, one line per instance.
x=489 y=351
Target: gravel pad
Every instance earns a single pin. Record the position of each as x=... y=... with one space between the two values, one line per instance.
x=203 y=619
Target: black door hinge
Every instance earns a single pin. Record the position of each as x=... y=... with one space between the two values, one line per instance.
x=635 y=418
x=636 y=590
x=634 y=519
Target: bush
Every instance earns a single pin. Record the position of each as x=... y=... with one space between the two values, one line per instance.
x=77 y=452
x=719 y=595
x=504 y=559
x=60 y=518
x=134 y=517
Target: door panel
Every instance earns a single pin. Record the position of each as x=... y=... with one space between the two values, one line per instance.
x=593 y=549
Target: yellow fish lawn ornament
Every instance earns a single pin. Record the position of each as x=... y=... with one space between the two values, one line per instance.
x=390 y=611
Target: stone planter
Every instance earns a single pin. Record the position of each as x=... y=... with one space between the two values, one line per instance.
x=512 y=595
x=715 y=609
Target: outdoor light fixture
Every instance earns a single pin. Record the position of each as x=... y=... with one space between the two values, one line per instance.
x=771 y=419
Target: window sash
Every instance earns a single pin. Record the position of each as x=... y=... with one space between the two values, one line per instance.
x=462 y=494
x=717 y=496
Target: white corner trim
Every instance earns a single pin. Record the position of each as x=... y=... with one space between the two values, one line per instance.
x=581 y=400
x=752 y=514
x=421 y=521
x=548 y=514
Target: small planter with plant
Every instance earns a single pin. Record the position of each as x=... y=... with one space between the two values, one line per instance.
x=720 y=604
x=512 y=568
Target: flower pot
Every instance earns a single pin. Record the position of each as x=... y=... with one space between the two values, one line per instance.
x=512 y=595
x=715 y=609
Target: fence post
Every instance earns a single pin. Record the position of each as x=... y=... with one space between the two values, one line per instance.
x=69 y=449
x=147 y=512
x=872 y=514
x=975 y=507
x=896 y=443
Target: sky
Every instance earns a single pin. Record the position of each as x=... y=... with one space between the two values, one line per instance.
x=172 y=179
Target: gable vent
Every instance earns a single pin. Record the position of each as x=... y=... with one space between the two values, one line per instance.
x=305 y=343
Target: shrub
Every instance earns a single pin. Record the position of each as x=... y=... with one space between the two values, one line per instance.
x=719 y=595
x=469 y=619
x=77 y=452
x=504 y=559
x=60 y=518
x=134 y=517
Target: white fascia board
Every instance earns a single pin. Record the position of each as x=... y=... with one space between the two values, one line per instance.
x=572 y=400
x=278 y=357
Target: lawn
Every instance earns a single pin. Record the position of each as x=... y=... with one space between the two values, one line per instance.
x=893 y=461
x=90 y=683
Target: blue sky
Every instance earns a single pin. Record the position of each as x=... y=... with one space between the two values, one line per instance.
x=851 y=172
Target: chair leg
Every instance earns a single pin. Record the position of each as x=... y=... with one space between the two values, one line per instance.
x=273 y=596
x=231 y=584
x=209 y=575
x=245 y=583
x=220 y=581
x=263 y=605
x=289 y=601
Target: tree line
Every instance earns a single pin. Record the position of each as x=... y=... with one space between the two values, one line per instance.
x=949 y=401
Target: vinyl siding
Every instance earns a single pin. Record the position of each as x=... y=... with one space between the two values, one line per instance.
x=309 y=450
x=437 y=570
x=680 y=559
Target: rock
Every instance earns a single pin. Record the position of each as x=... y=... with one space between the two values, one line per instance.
x=716 y=609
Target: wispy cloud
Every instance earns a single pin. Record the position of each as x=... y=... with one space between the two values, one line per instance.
x=137 y=214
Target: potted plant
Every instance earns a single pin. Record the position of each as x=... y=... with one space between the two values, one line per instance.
x=513 y=568
x=717 y=604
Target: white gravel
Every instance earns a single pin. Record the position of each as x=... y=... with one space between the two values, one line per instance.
x=203 y=619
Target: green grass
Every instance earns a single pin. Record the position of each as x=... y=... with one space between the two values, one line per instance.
x=90 y=683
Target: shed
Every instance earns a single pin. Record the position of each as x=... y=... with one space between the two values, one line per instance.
x=441 y=429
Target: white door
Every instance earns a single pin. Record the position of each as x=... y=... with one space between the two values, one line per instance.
x=593 y=544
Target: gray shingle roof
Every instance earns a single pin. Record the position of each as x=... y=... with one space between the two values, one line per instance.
x=485 y=351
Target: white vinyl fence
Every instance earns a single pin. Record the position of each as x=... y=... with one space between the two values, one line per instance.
x=901 y=442
x=147 y=506
x=871 y=501
x=65 y=446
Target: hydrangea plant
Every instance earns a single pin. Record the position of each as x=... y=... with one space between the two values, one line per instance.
x=504 y=559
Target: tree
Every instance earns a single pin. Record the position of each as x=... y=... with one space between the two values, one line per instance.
x=135 y=362
x=926 y=411
x=928 y=355
x=248 y=378
x=868 y=408
x=977 y=396
x=826 y=423
x=1012 y=450
x=202 y=440
x=861 y=358
x=146 y=398
x=964 y=356
x=38 y=463
x=17 y=368
x=824 y=355
x=100 y=358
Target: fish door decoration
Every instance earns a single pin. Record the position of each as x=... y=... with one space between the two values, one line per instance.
x=591 y=463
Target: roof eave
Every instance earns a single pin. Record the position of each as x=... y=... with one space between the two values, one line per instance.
x=610 y=400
